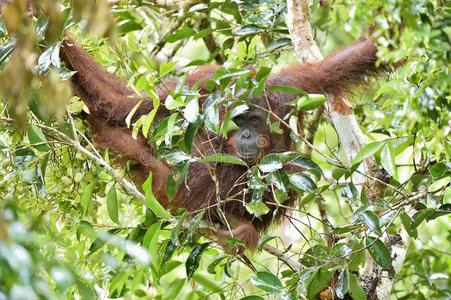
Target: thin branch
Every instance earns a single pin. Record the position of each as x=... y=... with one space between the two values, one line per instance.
x=312 y=128
x=128 y=186
x=210 y=41
x=292 y=264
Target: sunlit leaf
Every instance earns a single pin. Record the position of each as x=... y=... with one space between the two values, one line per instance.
x=388 y=160
x=267 y=282
x=257 y=208
x=302 y=182
x=342 y=284
x=151 y=202
x=112 y=204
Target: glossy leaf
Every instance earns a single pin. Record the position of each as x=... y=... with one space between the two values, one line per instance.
x=342 y=284
x=302 y=182
x=267 y=281
x=379 y=252
x=370 y=220
x=192 y=262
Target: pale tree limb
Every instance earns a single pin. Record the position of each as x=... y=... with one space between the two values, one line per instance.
x=306 y=51
x=352 y=140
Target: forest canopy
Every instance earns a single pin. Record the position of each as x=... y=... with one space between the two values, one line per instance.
x=371 y=216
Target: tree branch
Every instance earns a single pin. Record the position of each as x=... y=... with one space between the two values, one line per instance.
x=378 y=282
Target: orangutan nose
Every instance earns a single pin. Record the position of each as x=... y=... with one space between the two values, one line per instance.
x=246 y=133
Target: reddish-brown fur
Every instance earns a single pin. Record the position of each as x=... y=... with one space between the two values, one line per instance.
x=110 y=101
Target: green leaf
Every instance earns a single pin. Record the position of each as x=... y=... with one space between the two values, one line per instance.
x=6 y=50
x=302 y=182
x=379 y=252
x=309 y=257
x=151 y=202
x=208 y=283
x=367 y=151
x=355 y=289
x=191 y=111
x=307 y=165
x=175 y=179
x=407 y=223
x=112 y=204
x=262 y=73
x=65 y=73
x=211 y=267
x=311 y=101
x=264 y=240
x=150 y=242
x=100 y=241
x=275 y=127
x=231 y=8
x=337 y=173
x=166 y=68
x=342 y=284
x=252 y=297
x=356 y=260
x=270 y=166
x=223 y=158
x=292 y=90
x=198 y=7
x=319 y=281
x=86 y=197
x=36 y=136
x=388 y=160
x=420 y=216
x=345 y=228
x=48 y=58
x=3 y=31
x=212 y=118
x=257 y=208
x=175 y=288
x=129 y=117
x=192 y=262
x=370 y=220
x=227 y=124
x=279 y=43
x=293 y=122
x=439 y=170
x=267 y=282
x=182 y=33
x=128 y=25
x=173 y=102
x=248 y=30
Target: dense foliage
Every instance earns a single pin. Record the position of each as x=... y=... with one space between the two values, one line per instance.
x=68 y=229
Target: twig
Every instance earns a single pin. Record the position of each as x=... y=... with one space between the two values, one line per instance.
x=128 y=186
x=292 y=264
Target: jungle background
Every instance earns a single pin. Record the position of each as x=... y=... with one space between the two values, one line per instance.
x=70 y=227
